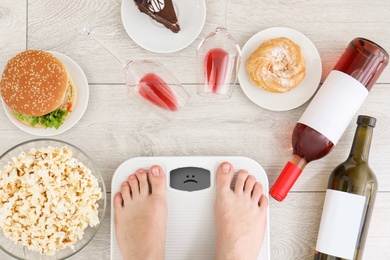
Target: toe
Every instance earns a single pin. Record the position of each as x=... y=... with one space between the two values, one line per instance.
x=224 y=178
x=133 y=182
x=143 y=182
x=257 y=191
x=263 y=203
x=249 y=185
x=118 y=201
x=125 y=192
x=242 y=175
x=157 y=180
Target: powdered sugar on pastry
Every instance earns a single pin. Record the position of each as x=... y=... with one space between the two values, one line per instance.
x=277 y=65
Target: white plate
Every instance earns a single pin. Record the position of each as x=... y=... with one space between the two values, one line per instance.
x=81 y=85
x=295 y=97
x=153 y=36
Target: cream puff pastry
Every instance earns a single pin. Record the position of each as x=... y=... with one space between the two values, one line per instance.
x=277 y=65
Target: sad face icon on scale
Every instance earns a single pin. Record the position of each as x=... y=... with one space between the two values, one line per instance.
x=190 y=179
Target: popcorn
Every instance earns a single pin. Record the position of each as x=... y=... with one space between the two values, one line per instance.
x=47 y=199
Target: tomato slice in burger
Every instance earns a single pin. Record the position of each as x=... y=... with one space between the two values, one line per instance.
x=69 y=106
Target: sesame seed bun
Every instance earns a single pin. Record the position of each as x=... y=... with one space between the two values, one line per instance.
x=34 y=83
x=67 y=104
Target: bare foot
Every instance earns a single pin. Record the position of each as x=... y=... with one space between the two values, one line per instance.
x=240 y=215
x=141 y=216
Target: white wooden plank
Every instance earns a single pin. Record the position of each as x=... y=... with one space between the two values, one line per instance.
x=330 y=25
x=295 y=222
x=112 y=130
x=294 y=229
x=12 y=29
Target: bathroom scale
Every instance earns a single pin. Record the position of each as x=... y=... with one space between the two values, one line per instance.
x=190 y=197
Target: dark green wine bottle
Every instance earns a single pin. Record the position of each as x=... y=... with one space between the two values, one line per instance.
x=349 y=201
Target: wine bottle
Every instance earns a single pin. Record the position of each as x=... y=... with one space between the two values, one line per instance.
x=331 y=110
x=349 y=201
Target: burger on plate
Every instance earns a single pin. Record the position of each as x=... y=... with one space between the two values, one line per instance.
x=37 y=89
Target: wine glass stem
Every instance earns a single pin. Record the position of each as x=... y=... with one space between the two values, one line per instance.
x=88 y=31
x=222 y=18
x=113 y=53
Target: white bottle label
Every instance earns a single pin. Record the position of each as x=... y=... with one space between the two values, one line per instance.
x=340 y=224
x=334 y=106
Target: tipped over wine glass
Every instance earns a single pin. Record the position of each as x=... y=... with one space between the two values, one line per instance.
x=149 y=83
x=218 y=56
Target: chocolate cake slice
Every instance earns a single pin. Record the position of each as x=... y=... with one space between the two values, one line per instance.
x=160 y=10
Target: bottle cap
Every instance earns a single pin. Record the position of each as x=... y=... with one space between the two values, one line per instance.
x=285 y=181
x=366 y=120
x=363 y=60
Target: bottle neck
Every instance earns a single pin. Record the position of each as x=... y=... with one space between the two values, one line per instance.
x=298 y=161
x=287 y=177
x=361 y=143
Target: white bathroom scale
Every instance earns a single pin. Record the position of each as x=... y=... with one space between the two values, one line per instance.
x=190 y=197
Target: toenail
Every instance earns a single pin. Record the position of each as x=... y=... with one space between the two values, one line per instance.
x=141 y=171
x=155 y=171
x=226 y=167
x=132 y=177
x=124 y=183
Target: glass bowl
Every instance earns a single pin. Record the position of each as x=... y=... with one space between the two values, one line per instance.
x=22 y=252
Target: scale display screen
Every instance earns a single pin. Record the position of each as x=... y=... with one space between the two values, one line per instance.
x=190 y=179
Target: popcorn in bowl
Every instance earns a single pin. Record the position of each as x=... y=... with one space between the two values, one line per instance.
x=47 y=199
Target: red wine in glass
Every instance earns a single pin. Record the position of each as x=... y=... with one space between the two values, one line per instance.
x=153 y=88
x=217 y=68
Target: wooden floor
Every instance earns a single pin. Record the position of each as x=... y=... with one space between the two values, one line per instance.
x=113 y=129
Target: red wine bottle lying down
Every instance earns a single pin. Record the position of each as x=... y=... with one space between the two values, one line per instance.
x=331 y=110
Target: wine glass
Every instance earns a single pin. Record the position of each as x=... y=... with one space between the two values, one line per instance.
x=149 y=83
x=218 y=56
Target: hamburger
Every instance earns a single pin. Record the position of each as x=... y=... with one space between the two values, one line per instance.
x=37 y=88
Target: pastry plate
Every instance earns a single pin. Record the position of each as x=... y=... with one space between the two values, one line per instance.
x=81 y=85
x=295 y=97
x=155 y=37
